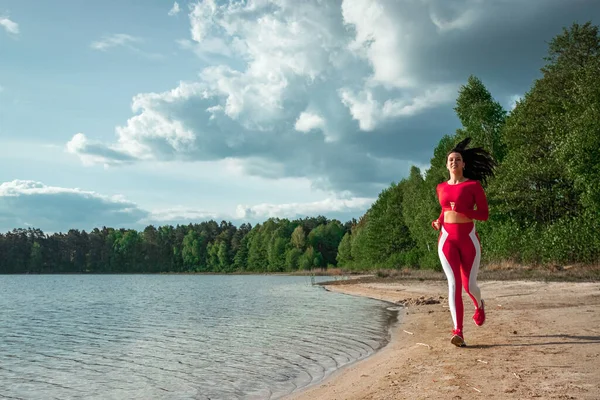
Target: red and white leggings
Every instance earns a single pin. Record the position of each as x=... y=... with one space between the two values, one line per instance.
x=460 y=252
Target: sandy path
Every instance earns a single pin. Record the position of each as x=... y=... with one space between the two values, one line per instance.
x=540 y=340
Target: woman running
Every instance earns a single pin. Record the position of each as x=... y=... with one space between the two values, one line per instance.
x=463 y=200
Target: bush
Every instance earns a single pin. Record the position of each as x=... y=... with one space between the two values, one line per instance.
x=572 y=240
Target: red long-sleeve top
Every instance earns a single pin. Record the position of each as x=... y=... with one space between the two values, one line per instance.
x=462 y=198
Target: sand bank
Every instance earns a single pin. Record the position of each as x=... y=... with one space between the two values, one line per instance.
x=540 y=340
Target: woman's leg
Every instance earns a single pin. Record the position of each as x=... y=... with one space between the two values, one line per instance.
x=450 y=259
x=470 y=254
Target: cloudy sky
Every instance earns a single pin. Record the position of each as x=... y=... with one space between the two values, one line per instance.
x=128 y=113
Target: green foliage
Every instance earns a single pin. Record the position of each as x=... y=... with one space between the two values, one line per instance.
x=318 y=260
x=551 y=167
x=380 y=234
x=204 y=247
x=307 y=259
x=36 y=258
x=358 y=241
x=545 y=199
x=192 y=250
x=344 y=255
x=277 y=256
x=326 y=239
x=257 y=250
x=481 y=116
x=299 y=238
x=292 y=259
x=240 y=262
x=419 y=209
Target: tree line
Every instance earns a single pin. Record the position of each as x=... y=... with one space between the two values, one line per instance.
x=277 y=245
x=544 y=200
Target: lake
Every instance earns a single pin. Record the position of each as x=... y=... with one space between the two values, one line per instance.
x=178 y=336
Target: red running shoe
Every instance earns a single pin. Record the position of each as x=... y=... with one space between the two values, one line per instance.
x=457 y=338
x=479 y=316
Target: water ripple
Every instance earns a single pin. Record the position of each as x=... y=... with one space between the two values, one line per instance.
x=177 y=337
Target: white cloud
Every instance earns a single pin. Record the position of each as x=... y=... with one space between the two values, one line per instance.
x=383 y=39
x=19 y=187
x=181 y=215
x=9 y=26
x=308 y=121
x=209 y=48
x=285 y=67
x=363 y=107
x=91 y=152
x=412 y=105
x=50 y=208
x=369 y=112
x=299 y=210
x=253 y=100
x=337 y=69
x=282 y=51
x=123 y=40
x=79 y=145
x=449 y=16
x=175 y=9
x=115 y=40
x=58 y=209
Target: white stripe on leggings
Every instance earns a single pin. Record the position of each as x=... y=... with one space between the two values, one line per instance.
x=473 y=288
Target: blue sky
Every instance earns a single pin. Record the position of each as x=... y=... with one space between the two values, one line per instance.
x=126 y=113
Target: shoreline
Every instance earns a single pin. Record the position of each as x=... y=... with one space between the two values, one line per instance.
x=540 y=340
x=392 y=331
x=336 y=374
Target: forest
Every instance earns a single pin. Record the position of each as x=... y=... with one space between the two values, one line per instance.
x=544 y=199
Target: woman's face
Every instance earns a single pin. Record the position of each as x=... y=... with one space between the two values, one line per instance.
x=455 y=163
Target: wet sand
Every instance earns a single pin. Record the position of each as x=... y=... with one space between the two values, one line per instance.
x=540 y=340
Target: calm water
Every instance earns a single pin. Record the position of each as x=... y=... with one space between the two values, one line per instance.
x=177 y=337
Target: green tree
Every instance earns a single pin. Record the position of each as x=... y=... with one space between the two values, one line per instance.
x=277 y=246
x=382 y=232
x=240 y=261
x=325 y=239
x=257 y=249
x=292 y=258
x=533 y=184
x=344 y=254
x=191 y=251
x=419 y=207
x=576 y=53
x=212 y=259
x=36 y=258
x=306 y=261
x=299 y=238
x=387 y=232
x=151 y=249
x=223 y=256
x=359 y=249
x=318 y=260
x=236 y=239
x=482 y=117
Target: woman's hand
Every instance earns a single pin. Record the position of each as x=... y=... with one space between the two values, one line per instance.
x=436 y=224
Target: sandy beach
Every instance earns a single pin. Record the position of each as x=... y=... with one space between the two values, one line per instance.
x=540 y=340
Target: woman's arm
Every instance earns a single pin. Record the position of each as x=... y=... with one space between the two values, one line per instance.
x=440 y=219
x=482 y=212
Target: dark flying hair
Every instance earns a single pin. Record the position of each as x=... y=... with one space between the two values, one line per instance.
x=479 y=164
